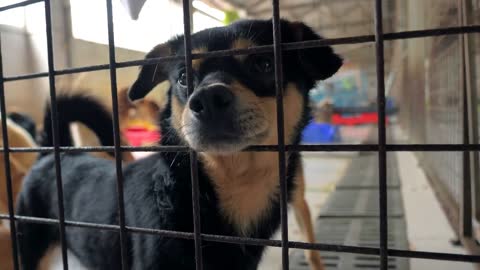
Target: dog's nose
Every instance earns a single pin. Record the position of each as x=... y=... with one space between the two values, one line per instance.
x=207 y=103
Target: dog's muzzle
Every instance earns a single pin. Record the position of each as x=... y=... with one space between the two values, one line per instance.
x=216 y=120
x=212 y=103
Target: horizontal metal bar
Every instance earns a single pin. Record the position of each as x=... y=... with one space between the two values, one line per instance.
x=306 y=4
x=433 y=255
x=60 y=72
x=432 y=147
x=19 y=4
x=26 y=76
x=89 y=149
x=263 y=49
x=258 y=242
x=433 y=32
x=267 y=148
x=321 y=216
x=364 y=187
x=82 y=69
x=98 y=226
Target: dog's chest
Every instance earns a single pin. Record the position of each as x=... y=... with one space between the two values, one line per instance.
x=246 y=186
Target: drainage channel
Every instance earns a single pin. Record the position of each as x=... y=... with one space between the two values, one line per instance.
x=350 y=217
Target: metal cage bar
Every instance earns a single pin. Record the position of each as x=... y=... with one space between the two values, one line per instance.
x=277 y=51
x=264 y=148
x=55 y=132
x=116 y=137
x=8 y=172
x=266 y=48
x=382 y=147
x=19 y=4
x=260 y=242
x=382 y=153
x=466 y=204
x=187 y=27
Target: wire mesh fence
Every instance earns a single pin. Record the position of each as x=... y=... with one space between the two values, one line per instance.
x=445 y=111
x=440 y=107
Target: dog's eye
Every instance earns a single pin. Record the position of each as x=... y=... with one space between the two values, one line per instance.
x=263 y=64
x=182 y=79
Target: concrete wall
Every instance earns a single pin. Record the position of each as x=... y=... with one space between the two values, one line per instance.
x=20 y=57
x=85 y=53
x=25 y=53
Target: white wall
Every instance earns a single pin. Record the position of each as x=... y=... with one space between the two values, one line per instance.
x=25 y=53
x=19 y=57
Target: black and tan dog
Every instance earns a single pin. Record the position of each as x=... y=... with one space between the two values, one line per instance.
x=232 y=107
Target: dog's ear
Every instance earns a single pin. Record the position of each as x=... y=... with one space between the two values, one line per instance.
x=150 y=75
x=318 y=63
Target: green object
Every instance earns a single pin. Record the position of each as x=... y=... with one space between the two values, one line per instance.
x=230 y=16
x=347 y=83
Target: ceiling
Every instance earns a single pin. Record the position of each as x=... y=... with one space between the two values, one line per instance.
x=330 y=18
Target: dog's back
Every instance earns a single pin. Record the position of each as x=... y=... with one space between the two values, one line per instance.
x=82 y=174
x=155 y=201
x=39 y=199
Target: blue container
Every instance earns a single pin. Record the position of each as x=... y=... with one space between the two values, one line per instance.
x=319 y=133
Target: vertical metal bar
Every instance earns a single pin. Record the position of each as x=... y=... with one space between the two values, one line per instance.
x=277 y=50
x=382 y=154
x=8 y=175
x=187 y=8
x=470 y=73
x=55 y=132
x=466 y=203
x=67 y=37
x=116 y=137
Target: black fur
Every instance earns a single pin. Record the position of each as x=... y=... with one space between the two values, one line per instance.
x=155 y=197
x=77 y=108
x=25 y=122
x=302 y=66
x=158 y=188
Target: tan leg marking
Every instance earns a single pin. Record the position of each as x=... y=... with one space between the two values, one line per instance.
x=302 y=215
x=6 y=260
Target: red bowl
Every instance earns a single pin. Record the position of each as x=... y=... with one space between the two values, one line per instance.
x=138 y=136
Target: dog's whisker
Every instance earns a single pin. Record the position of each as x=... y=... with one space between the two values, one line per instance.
x=174 y=158
x=249 y=29
x=154 y=72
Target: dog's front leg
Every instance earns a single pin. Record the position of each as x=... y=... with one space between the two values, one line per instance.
x=302 y=215
x=6 y=260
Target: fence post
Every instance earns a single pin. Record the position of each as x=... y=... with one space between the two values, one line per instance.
x=470 y=158
x=470 y=76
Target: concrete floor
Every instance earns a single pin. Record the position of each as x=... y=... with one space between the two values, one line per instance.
x=427 y=225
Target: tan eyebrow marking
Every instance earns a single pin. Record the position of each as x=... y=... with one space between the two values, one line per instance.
x=197 y=62
x=242 y=43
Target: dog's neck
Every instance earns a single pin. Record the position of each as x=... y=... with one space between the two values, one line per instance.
x=245 y=182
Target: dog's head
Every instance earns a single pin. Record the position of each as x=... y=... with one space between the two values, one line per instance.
x=233 y=104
